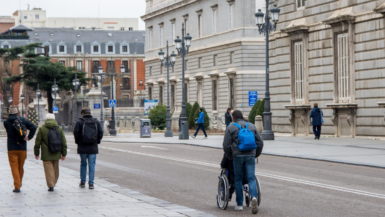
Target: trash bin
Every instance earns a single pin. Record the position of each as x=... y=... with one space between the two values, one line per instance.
x=145 y=128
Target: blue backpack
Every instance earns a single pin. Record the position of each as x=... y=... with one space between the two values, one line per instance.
x=246 y=139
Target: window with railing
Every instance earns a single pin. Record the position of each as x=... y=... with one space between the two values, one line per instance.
x=215 y=95
x=298 y=72
x=95 y=66
x=161 y=95
x=110 y=66
x=172 y=96
x=125 y=64
x=343 y=67
x=79 y=65
x=150 y=93
x=300 y=4
x=231 y=93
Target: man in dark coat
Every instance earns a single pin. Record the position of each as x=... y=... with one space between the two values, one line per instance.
x=228 y=118
x=17 y=151
x=316 y=120
x=87 y=151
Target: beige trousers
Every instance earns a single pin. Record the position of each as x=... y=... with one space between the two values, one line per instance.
x=51 y=170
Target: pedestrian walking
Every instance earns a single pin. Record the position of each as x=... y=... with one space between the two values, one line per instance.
x=62 y=126
x=200 y=121
x=242 y=144
x=52 y=142
x=88 y=134
x=316 y=118
x=17 y=138
x=228 y=118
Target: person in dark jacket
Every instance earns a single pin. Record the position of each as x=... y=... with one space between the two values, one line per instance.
x=316 y=120
x=242 y=160
x=87 y=151
x=200 y=121
x=228 y=118
x=50 y=159
x=17 y=151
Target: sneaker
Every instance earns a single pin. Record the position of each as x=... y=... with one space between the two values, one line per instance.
x=82 y=184
x=16 y=190
x=50 y=189
x=254 y=204
x=239 y=208
x=205 y=137
x=91 y=186
x=193 y=137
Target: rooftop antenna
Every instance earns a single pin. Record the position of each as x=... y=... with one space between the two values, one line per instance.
x=28 y=6
x=99 y=14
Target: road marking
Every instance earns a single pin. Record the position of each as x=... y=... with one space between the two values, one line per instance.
x=144 y=146
x=272 y=176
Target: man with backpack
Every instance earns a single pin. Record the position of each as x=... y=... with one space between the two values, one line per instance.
x=88 y=133
x=17 y=138
x=242 y=144
x=52 y=141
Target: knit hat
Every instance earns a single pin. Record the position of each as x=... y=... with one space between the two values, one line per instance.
x=14 y=110
x=50 y=116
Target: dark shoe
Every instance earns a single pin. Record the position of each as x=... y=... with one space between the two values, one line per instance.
x=82 y=184
x=315 y=138
x=50 y=189
x=16 y=190
x=91 y=186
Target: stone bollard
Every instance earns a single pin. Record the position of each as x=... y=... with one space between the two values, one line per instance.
x=129 y=123
x=121 y=125
x=137 y=124
x=219 y=123
x=258 y=123
x=105 y=129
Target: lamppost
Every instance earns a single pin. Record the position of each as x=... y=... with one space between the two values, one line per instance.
x=22 y=97
x=169 y=61
x=112 y=74
x=266 y=28
x=101 y=76
x=76 y=84
x=182 y=46
x=10 y=100
x=55 y=88
x=38 y=96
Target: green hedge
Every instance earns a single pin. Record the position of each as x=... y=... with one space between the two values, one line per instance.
x=253 y=112
x=158 y=116
x=191 y=117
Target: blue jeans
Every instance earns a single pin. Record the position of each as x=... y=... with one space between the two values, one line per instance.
x=83 y=167
x=248 y=163
x=227 y=124
x=203 y=129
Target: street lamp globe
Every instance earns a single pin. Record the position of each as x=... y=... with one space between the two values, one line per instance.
x=10 y=99
x=55 y=88
x=22 y=97
x=173 y=57
x=38 y=92
x=188 y=40
x=178 y=42
x=275 y=13
x=161 y=55
x=259 y=15
x=122 y=69
x=100 y=69
x=76 y=82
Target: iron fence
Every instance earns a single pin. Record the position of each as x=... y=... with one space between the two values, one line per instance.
x=126 y=103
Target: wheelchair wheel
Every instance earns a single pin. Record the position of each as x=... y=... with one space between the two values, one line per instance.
x=258 y=189
x=223 y=192
x=247 y=195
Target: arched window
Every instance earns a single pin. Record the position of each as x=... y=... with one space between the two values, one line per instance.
x=110 y=48
x=95 y=49
x=6 y=45
x=78 y=47
x=124 y=48
x=61 y=48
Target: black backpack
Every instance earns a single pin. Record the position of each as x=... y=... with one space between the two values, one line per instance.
x=89 y=131
x=55 y=140
x=21 y=130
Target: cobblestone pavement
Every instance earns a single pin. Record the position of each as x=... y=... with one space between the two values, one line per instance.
x=69 y=200
x=357 y=151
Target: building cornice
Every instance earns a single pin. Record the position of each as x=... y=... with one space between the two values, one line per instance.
x=167 y=9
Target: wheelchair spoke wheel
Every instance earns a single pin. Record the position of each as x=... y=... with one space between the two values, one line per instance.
x=223 y=192
x=258 y=189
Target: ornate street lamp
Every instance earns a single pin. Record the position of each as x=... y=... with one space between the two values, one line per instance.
x=22 y=97
x=170 y=61
x=266 y=28
x=182 y=46
x=38 y=96
x=76 y=84
x=55 y=88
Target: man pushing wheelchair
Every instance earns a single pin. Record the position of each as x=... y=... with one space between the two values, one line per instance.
x=242 y=144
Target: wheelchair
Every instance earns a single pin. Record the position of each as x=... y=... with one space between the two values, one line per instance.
x=224 y=191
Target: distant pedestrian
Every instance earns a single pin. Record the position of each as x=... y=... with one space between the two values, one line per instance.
x=88 y=134
x=200 y=121
x=228 y=118
x=63 y=126
x=17 y=138
x=316 y=116
x=52 y=141
x=243 y=153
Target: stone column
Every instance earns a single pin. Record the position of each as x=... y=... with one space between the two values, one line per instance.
x=137 y=124
x=259 y=124
x=129 y=123
x=175 y=124
x=219 y=123
x=94 y=98
x=42 y=112
x=122 y=128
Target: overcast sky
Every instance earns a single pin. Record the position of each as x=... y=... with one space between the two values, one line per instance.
x=80 y=8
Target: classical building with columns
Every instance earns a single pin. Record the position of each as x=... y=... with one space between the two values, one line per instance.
x=226 y=59
x=330 y=53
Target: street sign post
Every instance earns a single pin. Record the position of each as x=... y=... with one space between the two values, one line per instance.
x=112 y=103
x=55 y=109
x=253 y=97
x=97 y=106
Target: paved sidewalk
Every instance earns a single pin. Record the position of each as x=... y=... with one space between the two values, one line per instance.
x=357 y=151
x=69 y=200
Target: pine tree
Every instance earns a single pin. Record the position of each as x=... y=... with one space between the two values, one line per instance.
x=191 y=118
x=261 y=108
x=40 y=70
x=253 y=112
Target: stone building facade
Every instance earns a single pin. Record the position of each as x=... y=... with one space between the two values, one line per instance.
x=226 y=59
x=330 y=53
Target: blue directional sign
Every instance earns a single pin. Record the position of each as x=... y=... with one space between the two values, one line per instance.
x=97 y=106
x=55 y=109
x=112 y=103
x=253 y=97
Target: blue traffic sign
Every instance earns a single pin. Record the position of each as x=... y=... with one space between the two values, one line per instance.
x=112 y=102
x=55 y=109
x=97 y=106
x=253 y=97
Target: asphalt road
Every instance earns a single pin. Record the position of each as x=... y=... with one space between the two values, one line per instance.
x=187 y=175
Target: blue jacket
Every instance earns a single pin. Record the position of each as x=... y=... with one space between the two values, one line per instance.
x=316 y=115
x=201 y=118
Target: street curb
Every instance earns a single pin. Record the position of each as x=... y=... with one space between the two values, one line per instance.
x=270 y=154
